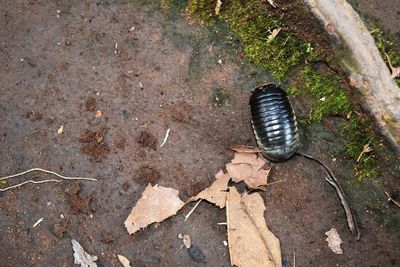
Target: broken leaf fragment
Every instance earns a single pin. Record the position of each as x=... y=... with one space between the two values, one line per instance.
x=81 y=256
x=156 y=204
x=124 y=261
x=248 y=167
x=249 y=240
x=216 y=193
x=334 y=241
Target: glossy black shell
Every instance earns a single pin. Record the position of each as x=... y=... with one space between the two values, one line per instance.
x=274 y=123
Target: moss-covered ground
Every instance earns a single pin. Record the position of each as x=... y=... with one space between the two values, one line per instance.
x=290 y=58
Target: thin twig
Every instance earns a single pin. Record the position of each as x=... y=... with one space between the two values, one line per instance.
x=331 y=179
x=166 y=137
x=29 y=182
x=37 y=223
x=40 y=182
x=275 y=182
x=390 y=199
x=49 y=172
x=191 y=211
x=294 y=258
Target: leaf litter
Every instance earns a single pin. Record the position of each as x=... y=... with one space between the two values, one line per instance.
x=81 y=256
x=156 y=204
x=334 y=241
x=249 y=240
x=216 y=193
x=124 y=261
x=248 y=167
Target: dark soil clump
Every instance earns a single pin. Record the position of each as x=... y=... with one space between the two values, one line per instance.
x=60 y=228
x=78 y=201
x=96 y=148
x=90 y=104
x=147 y=139
x=34 y=115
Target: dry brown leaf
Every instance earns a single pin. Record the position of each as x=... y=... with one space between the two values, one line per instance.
x=156 y=204
x=124 y=261
x=248 y=167
x=245 y=149
x=334 y=241
x=216 y=193
x=250 y=242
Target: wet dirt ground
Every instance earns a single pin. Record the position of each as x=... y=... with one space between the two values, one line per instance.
x=116 y=75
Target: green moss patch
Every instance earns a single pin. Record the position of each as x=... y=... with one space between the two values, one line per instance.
x=255 y=27
x=359 y=134
x=330 y=99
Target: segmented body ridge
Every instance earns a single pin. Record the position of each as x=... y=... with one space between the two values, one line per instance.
x=274 y=123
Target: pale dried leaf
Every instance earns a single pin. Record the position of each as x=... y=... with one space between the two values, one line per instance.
x=216 y=193
x=250 y=242
x=395 y=72
x=273 y=34
x=156 y=204
x=334 y=241
x=124 y=261
x=245 y=149
x=248 y=167
x=81 y=256
x=218 y=7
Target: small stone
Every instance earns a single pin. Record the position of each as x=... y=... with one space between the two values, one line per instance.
x=196 y=255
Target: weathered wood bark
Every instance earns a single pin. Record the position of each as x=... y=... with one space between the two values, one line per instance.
x=380 y=94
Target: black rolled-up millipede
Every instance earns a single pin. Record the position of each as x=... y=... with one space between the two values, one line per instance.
x=275 y=129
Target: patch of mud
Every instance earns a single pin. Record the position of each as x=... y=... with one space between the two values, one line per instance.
x=106 y=238
x=147 y=174
x=181 y=112
x=147 y=139
x=34 y=115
